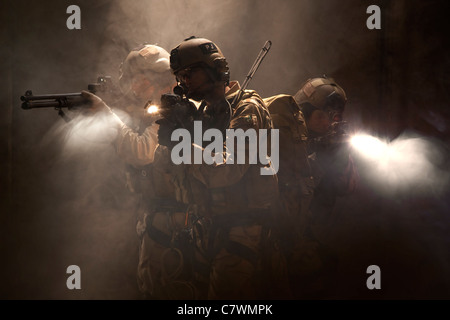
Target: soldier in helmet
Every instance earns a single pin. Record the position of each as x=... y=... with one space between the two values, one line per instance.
x=315 y=167
x=322 y=102
x=313 y=263
x=144 y=77
x=231 y=202
x=164 y=270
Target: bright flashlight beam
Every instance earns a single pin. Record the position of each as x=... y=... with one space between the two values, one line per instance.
x=369 y=146
x=152 y=109
x=402 y=163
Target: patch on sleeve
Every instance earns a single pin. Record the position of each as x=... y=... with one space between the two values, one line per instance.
x=245 y=121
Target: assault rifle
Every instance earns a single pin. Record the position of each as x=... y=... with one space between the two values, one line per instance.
x=336 y=137
x=176 y=108
x=103 y=87
x=333 y=148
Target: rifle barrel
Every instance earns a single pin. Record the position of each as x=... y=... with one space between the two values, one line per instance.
x=49 y=96
x=263 y=52
x=67 y=100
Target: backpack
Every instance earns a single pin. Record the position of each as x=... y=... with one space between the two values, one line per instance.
x=289 y=120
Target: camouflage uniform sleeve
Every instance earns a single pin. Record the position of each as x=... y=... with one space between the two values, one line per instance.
x=136 y=149
x=249 y=114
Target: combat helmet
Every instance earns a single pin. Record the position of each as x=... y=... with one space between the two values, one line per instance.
x=149 y=59
x=322 y=93
x=195 y=51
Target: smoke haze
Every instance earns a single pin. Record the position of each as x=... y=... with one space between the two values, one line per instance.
x=65 y=201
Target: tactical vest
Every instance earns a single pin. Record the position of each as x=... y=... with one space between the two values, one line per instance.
x=252 y=192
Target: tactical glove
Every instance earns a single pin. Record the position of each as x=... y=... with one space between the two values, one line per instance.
x=166 y=127
x=96 y=104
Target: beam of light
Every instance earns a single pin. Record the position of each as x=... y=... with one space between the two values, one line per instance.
x=152 y=109
x=369 y=146
x=409 y=163
x=85 y=135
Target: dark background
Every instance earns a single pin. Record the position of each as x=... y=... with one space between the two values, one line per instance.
x=56 y=208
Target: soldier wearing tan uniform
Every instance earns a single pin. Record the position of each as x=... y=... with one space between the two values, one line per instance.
x=322 y=102
x=309 y=181
x=163 y=270
x=232 y=202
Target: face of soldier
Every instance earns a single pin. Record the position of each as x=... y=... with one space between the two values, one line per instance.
x=196 y=81
x=142 y=88
x=319 y=122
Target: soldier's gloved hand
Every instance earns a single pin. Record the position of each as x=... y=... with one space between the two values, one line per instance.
x=177 y=110
x=96 y=104
x=165 y=130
